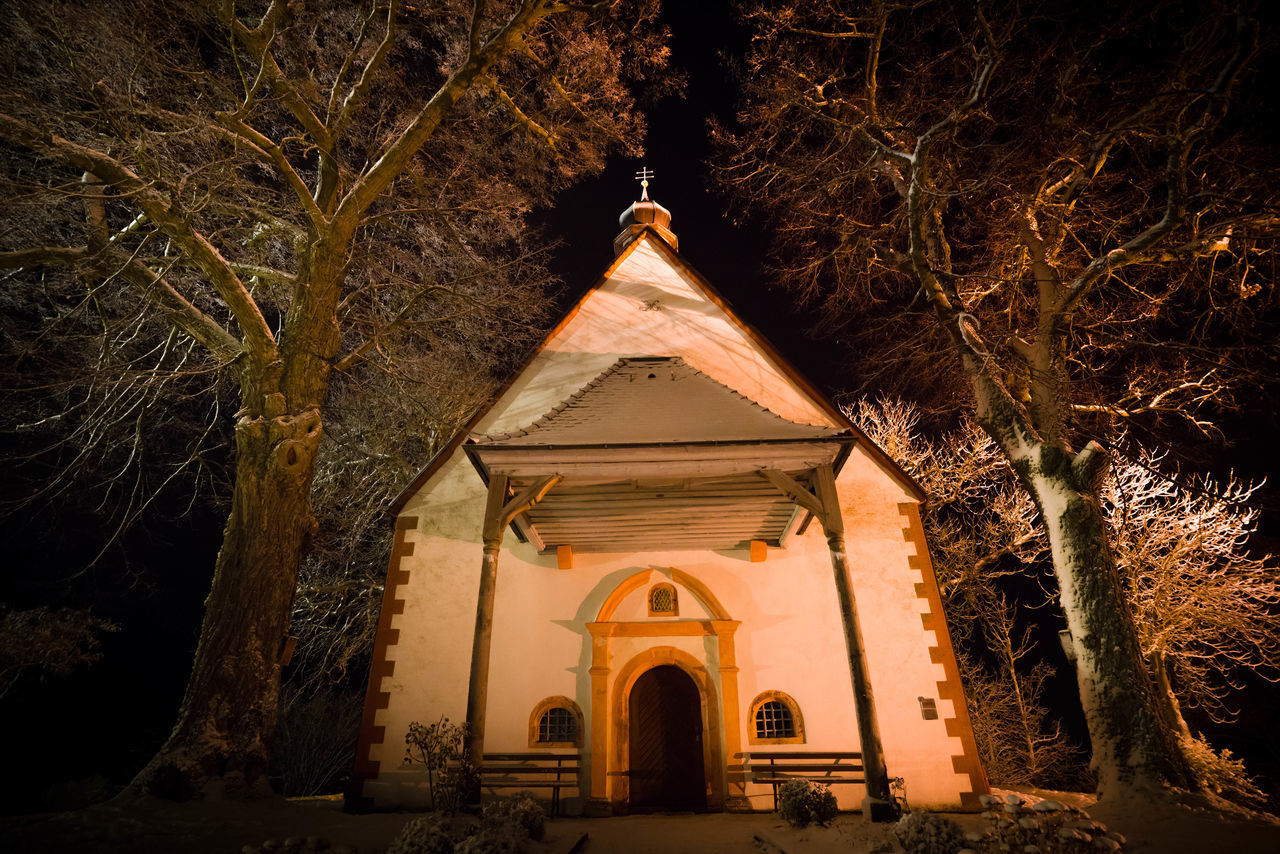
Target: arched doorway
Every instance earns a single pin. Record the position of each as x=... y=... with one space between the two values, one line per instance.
x=666 y=749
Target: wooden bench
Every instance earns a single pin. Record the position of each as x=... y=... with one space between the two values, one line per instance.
x=554 y=771
x=774 y=769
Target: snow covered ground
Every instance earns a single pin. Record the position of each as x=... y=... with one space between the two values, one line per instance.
x=1186 y=825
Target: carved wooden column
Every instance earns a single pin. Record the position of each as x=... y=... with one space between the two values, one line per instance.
x=498 y=514
x=825 y=505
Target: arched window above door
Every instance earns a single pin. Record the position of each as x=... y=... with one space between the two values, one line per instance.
x=662 y=601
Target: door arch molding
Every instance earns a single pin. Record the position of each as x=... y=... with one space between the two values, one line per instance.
x=620 y=713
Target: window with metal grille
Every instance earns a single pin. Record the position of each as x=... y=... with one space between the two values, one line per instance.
x=662 y=601
x=557 y=725
x=774 y=720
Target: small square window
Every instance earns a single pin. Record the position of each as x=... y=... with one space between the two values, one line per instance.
x=662 y=601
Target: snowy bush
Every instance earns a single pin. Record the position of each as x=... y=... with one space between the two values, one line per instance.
x=519 y=810
x=1046 y=828
x=923 y=832
x=499 y=838
x=1221 y=773
x=428 y=834
x=801 y=802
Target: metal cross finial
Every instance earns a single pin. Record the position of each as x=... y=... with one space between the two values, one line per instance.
x=643 y=177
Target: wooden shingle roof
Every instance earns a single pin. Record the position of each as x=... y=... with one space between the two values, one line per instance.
x=656 y=399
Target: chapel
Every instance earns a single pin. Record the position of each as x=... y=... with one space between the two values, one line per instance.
x=662 y=571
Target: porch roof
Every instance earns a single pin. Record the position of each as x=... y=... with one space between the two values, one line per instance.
x=654 y=454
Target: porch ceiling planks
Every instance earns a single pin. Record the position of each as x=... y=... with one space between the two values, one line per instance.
x=694 y=513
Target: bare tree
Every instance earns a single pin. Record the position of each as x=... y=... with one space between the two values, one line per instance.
x=1020 y=742
x=1060 y=188
x=1203 y=603
x=983 y=532
x=304 y=190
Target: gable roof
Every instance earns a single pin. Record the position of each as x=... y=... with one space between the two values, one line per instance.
x=656 y=399
x=788 y=370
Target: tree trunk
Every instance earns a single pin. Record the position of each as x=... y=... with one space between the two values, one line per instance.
x=1169 y=700
x=1135 y=751
x=228 y=714
x=1133 y=747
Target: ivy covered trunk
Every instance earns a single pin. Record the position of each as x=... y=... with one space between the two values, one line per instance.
x=228 y=712
x=1134 y=746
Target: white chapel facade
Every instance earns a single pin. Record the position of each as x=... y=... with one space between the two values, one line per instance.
x=662 y=550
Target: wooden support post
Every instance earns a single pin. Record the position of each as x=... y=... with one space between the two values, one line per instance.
x=498 y=514
x=478 y=686
x=878 y=805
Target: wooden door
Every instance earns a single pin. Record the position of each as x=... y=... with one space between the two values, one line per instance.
x=667 y=771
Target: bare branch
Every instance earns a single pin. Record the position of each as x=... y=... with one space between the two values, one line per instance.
x=258 y=335
x=396 y=155
x=359 y=93
x=153 y=286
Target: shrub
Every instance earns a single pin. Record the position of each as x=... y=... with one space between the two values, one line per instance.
x=521 y=811
x=801 y=802
x=439 y=747
x=1048 y=827
x=923 y=832
x=316 y=739
x=428 y=834
x=1221 y=773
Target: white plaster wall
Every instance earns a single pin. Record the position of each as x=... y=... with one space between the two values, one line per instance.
x=791 y=637
x=897 y=645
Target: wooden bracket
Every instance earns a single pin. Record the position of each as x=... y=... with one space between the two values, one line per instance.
x=529 y=497
x=564 y=557
x=825 y=504
x=498 y=513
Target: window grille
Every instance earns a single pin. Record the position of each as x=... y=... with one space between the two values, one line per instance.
x=662 y=601
x=773 y=720
x=557 y=725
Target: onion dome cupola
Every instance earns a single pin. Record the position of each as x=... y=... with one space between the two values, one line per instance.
x=643 y=214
